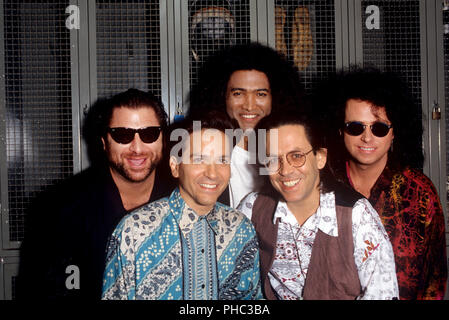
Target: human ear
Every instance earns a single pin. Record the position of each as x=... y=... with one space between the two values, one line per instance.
x=174 y=166
x=321 y=156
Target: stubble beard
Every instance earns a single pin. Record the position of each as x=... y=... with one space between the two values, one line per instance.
x=128 y=175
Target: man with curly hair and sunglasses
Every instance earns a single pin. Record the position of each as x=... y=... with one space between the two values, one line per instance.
x=376 y=148
x=72 y=221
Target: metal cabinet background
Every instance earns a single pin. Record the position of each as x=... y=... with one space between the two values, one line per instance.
x=53 y=67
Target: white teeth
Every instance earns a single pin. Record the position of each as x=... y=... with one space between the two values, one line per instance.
x=136 y=162
x=367 y=149
x=290 y=183
x=208 y=186
x=249 y=116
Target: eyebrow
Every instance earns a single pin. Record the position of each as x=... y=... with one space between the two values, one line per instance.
x=243 y=89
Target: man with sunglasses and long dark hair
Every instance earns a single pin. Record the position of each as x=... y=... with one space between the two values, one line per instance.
x=64 y=252
x=377 y=135
x=317 y=239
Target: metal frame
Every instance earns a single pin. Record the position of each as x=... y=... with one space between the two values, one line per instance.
x=9 y=267
x=3 y=168
x=86 y=60
x=181 y=44
x=76 y=117
x=166 y=30
x=436 y=96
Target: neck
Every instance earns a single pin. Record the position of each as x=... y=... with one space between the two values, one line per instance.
x=243 y=143
x=303 y=210
x=199 y=209
x=134 y=194
x=364 y=177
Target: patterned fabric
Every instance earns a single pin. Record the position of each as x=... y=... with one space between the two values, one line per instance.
x=199 y=264
x=147 y=254
x=373 y=253
x=410 y=210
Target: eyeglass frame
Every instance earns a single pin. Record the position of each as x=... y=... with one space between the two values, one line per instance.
x=389 y=126
x=111 y=131
x=303 y=156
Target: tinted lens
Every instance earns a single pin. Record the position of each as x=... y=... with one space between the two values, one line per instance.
x=122 y=135
x=126 y=135
x=354 y=128
x=380 y=129
x=149 y=134
x=296 y=159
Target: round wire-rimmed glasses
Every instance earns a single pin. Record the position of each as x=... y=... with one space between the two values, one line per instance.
x=294 y=158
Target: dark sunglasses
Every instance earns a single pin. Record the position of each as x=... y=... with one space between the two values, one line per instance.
x=126 y=135
x=355 y=128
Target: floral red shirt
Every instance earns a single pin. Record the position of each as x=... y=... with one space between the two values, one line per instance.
x=410 y=209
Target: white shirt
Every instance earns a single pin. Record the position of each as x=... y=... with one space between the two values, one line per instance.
x=373 y=253
x=245 y=177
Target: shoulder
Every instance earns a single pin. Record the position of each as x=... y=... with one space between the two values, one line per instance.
x=146 y=218
x=345 y=195
x=231 y=217
x=248 y=200
x=416 y=178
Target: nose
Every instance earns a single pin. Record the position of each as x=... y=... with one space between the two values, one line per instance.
x=211 y=171
x=136 y=145
x=367 y=135
x=250 y=102
x=285 y=167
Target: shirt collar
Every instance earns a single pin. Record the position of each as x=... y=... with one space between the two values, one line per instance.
x=326 y=214
x=186 y=217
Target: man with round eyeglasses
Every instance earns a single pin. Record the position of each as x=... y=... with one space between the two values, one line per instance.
x=71 y=222
x=376 y=149
x=317 y=239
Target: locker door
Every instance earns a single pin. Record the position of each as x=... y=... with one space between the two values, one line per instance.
x=305 y=32
x=206 y=26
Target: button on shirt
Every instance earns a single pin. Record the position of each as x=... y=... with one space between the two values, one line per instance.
x=373 y=253
x=199 y=263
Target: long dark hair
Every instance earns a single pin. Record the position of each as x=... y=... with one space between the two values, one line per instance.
x=382 y=89
x=210 y=90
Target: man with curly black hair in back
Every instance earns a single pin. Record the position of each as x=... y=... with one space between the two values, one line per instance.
x=245 y=81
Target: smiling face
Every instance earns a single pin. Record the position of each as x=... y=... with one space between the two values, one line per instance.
x=298 y=186
x=248 y=97
x=203 y=176
x=135 y=161
x=367 y=149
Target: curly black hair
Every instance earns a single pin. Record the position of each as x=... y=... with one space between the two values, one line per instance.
x=381 y=89
x=210 y=90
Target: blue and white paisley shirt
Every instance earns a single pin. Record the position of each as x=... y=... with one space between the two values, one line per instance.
x=164 y=250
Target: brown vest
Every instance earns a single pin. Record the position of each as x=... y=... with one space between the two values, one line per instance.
x=332 y=273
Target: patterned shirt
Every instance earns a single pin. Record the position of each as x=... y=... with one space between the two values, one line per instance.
x=373 y=253
x=410 y=210
x=164 y=250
